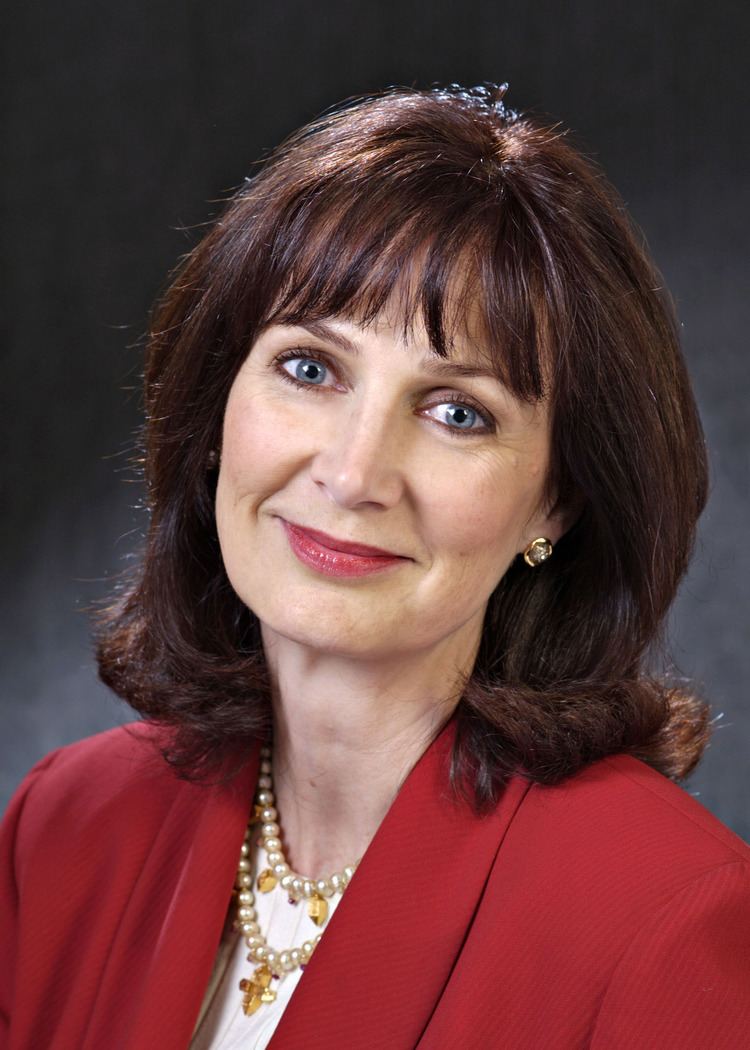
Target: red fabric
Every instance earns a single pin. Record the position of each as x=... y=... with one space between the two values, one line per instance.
x=612 y=911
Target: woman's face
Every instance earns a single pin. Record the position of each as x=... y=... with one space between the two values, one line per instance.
x=357 y=434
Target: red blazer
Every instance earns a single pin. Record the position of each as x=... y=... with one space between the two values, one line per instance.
x=609 y=912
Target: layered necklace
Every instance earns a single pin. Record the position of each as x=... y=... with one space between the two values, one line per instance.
x=270 y=963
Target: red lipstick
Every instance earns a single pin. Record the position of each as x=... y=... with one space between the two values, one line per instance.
x=335 y=557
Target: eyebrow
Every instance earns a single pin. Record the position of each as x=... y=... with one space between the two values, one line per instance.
x=436 y=367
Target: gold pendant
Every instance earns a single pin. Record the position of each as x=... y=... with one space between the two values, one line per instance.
x=255 y=990
x=266 y=881
x=317 y=909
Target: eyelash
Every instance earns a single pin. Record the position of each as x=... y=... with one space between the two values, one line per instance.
x=459 y=399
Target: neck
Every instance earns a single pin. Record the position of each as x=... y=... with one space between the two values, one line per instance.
x=346 y=735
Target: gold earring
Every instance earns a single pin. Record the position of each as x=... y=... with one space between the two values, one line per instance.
x=537 y=551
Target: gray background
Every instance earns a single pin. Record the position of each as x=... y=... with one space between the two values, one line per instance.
x=129 y=122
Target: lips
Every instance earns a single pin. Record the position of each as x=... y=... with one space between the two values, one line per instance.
x=315 y=550
x=334 y=544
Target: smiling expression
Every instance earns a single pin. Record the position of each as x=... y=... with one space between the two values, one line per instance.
x=365 y=435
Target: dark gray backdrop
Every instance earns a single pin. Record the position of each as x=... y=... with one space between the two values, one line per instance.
x=129 y=121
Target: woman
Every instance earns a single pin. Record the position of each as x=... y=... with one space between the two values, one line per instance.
x=424 y=469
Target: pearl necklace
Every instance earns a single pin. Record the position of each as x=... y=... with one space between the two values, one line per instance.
x=272 y=964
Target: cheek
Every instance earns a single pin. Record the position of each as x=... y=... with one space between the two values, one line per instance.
x=477 y=521
x=258 y=446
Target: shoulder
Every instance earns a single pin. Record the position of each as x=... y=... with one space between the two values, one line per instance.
x=641 y=789
x=108 y=760
x=122 y=745
x=623 y=798
x=624 y=877
x=619 y=831
x=86 y=786
x=668 y=887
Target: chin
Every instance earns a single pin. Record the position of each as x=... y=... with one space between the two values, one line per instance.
x=334 y=635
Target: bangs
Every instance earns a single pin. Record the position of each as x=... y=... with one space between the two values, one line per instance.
x=447 y=253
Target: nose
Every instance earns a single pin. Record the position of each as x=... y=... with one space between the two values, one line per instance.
x=360 y=460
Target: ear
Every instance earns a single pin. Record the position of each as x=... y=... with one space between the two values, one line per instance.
x=553 y=522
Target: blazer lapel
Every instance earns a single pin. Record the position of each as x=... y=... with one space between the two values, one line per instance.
x=160 y=962
x=387 y=953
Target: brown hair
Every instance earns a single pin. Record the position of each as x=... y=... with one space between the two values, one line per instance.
x=405 y=181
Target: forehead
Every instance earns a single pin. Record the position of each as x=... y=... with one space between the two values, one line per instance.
x=466 y=358
x=458 y=262
x=448 y=314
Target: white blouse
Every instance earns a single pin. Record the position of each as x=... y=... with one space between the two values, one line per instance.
x=222 y=1025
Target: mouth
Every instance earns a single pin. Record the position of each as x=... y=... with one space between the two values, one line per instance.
x=334 y=544
x=336 y=557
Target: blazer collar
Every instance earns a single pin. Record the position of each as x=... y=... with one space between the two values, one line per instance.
x=175 y=919
x=388 y=949
x=394 y=938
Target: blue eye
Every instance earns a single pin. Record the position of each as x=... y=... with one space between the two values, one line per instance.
x=459 y=417
x=308 y=370
x=456 y=417
x=462 y=415
x=302 y=368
